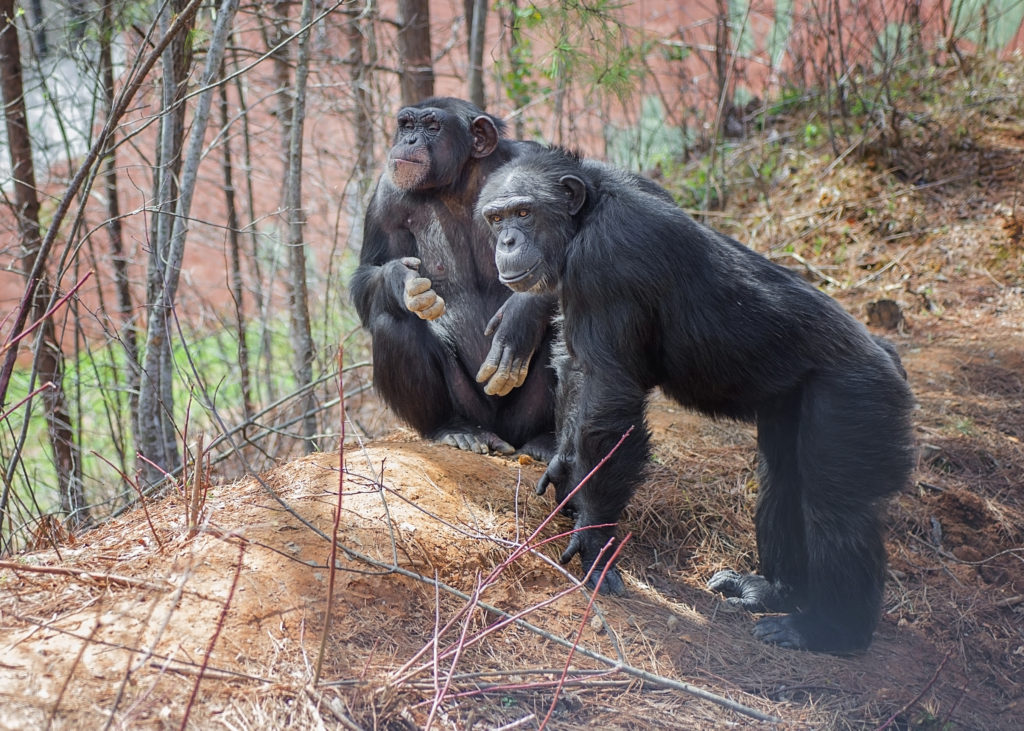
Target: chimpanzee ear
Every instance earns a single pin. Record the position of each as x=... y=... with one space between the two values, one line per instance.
x=485 y=136
x=577 y=192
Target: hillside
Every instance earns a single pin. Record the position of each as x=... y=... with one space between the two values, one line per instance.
x=119 y=626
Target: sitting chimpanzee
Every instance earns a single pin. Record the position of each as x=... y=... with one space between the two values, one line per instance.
x=428 y=291
x=652 y=298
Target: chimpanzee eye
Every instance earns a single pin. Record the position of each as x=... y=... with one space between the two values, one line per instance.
x=495 y=218
x=522 y=213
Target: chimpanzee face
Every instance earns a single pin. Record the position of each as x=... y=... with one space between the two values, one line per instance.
x=531 y=220
x=518 y=256
x=432 y=146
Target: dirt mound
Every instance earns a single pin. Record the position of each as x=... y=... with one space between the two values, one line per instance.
x=133 y=613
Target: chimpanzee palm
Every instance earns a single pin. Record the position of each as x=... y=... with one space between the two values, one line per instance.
x=427 y=290
x=652 y=298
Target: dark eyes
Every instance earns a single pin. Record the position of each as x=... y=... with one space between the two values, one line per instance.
x=409 y=123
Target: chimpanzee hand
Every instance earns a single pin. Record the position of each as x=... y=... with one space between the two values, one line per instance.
x=588 y=544
x=558 y=474
x=417 y=292
x=749 y=591
x=518 y=328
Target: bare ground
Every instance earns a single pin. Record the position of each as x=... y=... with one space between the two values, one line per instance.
x=118 y=625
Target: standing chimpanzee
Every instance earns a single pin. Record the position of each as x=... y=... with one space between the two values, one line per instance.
x=652 y=298
x=427 y=290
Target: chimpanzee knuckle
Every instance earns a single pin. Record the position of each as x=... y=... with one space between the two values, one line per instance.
x=434 y=311
x=500 y=446
x=417 y=285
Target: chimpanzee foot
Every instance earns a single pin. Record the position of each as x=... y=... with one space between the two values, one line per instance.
x=477 y=440
x=541 y=448
x=749 y=591
x=588 y=544
x=780 y=630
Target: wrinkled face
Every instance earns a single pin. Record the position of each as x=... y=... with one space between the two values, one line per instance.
x=420 y=143
x=433 y=146
x=530 y=214
x=517 y=253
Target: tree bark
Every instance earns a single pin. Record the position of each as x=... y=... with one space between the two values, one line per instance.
x=298 y=294
x=236 y=260
x=156 y=398
x=129 y=336
x=49 y=359
x=477 y=23
x=414 y=50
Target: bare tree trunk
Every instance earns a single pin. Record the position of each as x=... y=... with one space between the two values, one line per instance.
x=125 y=305
x=298 y=294
x=49 y=359
x=414 y=50
x=516 y=94
x=157 y=396
x=476 y=19
x=358 y=73
x=261 y=302
x=236 y=261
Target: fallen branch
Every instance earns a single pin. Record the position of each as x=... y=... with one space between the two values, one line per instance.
x=93 y=576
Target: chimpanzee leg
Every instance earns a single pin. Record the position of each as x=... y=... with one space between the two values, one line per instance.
x=409 y=366
x=853 y=448
x=779 y=520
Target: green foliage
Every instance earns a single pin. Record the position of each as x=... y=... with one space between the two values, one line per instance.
x=584 y=42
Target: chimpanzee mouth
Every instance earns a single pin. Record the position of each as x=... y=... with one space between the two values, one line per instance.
x=519 y=277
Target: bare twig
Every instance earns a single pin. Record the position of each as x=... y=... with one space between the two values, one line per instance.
x=138 y=490
x=892 y=719
x=332 y=565
x=94 y=576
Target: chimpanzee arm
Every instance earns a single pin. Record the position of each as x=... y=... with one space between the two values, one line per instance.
x=408 y=359
x=519 y=327
x=608 y=404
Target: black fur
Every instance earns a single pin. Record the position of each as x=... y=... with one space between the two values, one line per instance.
x=652 y=298
x=420 y=225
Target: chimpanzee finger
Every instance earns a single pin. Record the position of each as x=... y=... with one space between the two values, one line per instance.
x=575 y=546
x=416 y=285
x=493 y=323
x=499 y=445
x=434 y=311
x=542 y=484
x=522 y=369
x=612 y=584
x=411 y=262
x=502 y=381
